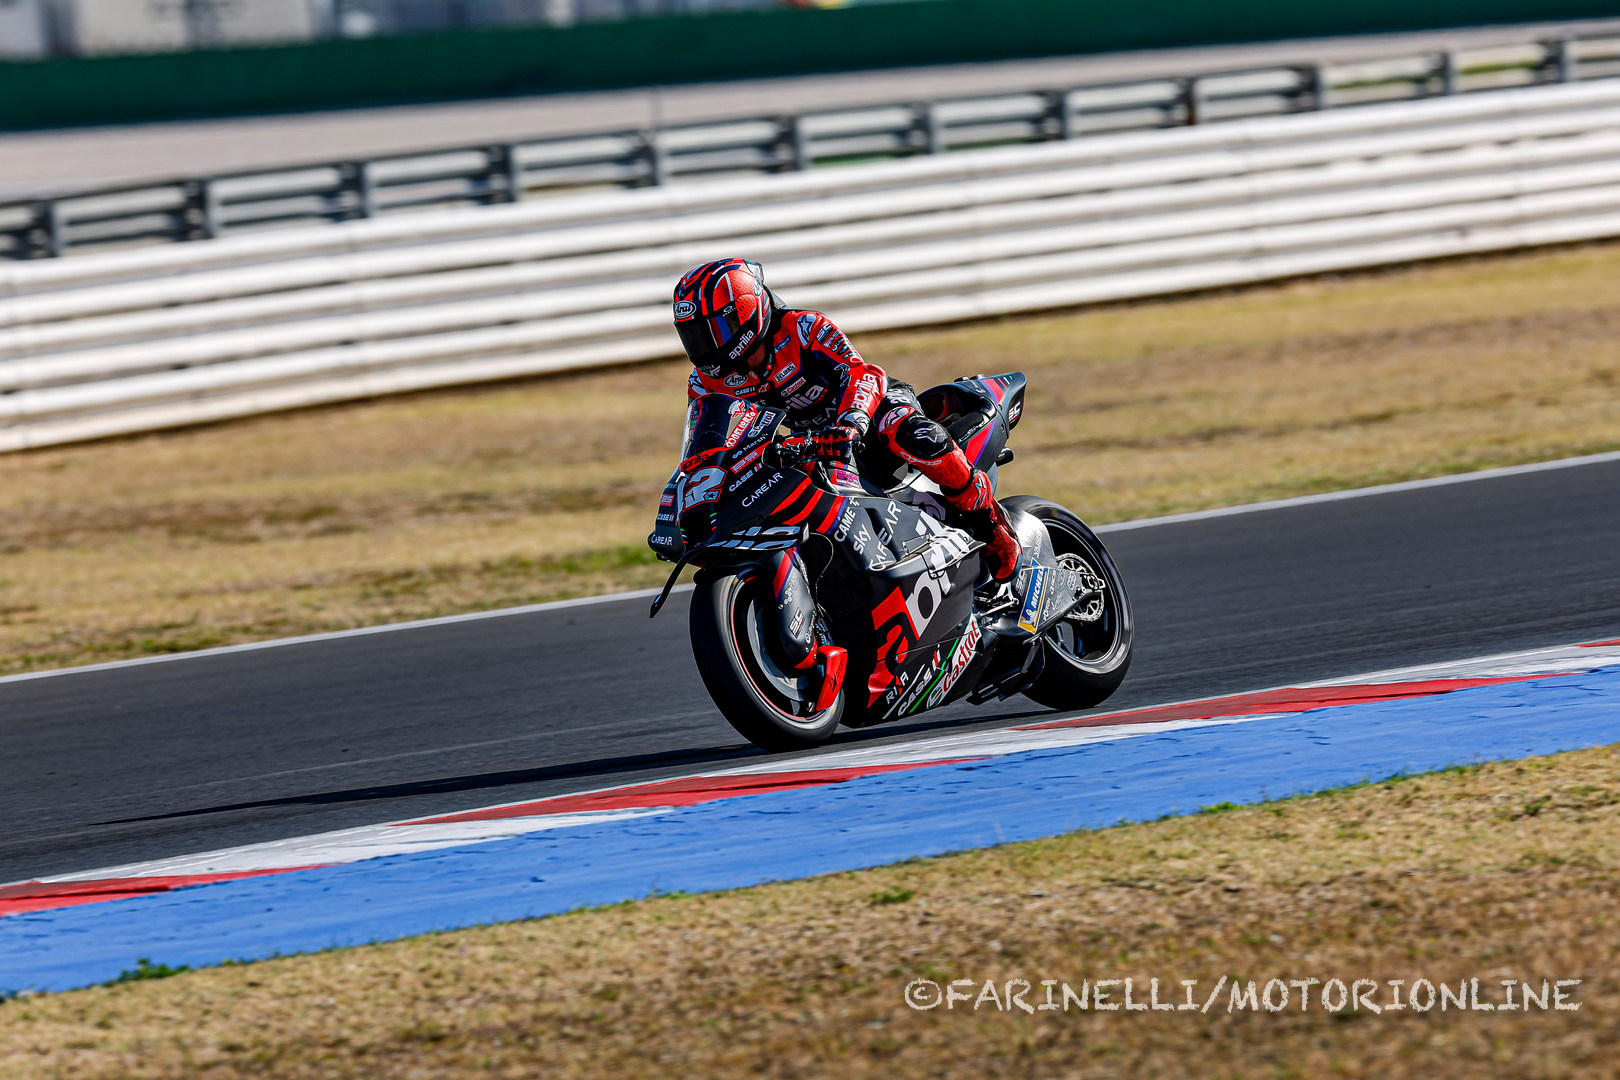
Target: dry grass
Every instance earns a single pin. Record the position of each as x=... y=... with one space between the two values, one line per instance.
x=1502 y=871
x=478 y=498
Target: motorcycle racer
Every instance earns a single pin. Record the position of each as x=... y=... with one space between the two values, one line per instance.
x=745 y=342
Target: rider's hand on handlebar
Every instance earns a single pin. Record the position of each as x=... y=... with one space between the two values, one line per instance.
x=835 y=443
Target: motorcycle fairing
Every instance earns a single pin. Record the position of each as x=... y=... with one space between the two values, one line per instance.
x=877 y=533
x=979 y=411
x=922 y=686
x=917 y=576
x=723 y=452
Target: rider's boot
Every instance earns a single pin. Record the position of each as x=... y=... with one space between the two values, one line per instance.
x=976 y=502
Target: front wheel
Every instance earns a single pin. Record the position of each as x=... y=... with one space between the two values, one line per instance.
x=1089 y=651
x=770 y=704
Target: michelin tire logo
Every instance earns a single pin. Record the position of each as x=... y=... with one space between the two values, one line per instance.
x=1030 y=617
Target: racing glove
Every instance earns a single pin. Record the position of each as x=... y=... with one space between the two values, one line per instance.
x=836 y=443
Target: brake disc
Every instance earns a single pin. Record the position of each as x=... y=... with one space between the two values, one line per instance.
x=1093 y=603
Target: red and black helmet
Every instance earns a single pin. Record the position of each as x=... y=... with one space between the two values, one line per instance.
x=722 y=311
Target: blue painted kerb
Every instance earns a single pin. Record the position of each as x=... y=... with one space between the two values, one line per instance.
x=861 y=823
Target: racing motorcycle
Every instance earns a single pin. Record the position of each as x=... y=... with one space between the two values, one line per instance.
x=833 y=595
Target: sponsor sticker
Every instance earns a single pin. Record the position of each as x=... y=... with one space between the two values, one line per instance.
x=741 y=347
x=806 y=397
x=742 y=415
x=747 y=461
x=841 y=531
x=966 y=649
x=685 y=309
x=1029 y=618
x=866 y=393
x=914 y=694
x=768 y=418
x=840 y=346
x=749 y=500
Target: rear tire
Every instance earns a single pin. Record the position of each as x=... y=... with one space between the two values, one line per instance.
x=1085 y=660
x=770 y=705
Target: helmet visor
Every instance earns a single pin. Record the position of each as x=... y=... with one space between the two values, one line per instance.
x=711 y=338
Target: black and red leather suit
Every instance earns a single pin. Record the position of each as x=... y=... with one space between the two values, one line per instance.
x=743 y=341
x=817 y=376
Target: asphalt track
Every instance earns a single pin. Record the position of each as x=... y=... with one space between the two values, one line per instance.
x=146 y=761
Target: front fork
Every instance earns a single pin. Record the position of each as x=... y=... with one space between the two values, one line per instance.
x=783 y=573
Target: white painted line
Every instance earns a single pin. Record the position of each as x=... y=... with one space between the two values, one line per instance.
x=1362 y=493
x=998 y=742
x=645 y=594
x=1524 y=662
x=350 y=845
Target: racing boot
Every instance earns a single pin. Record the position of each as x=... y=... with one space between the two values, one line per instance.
x=987 y=521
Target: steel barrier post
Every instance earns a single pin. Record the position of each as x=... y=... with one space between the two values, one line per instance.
x=198 y=217
x=356 y=180
x=652 y=151
x=1060 y=106
x=503 y=164
x=1562 y=59
x=46 y=235
x=1446 y=69
x=928 y=122
x=1192 y=101
x=1315 y=82
x=796 y=139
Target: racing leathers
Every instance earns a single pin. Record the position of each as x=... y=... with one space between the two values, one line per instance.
x=812 y=371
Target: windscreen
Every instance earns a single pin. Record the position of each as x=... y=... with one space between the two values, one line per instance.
x=717 y=422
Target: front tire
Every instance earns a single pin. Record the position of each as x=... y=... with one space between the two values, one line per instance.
x=1088 y=653
x=770 y=705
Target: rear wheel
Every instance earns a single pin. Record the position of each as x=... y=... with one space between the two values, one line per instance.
x=1089 y=651
x=733 y=640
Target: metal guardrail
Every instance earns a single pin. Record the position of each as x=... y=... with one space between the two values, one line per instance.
x=164 y=336
x=207 y=208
